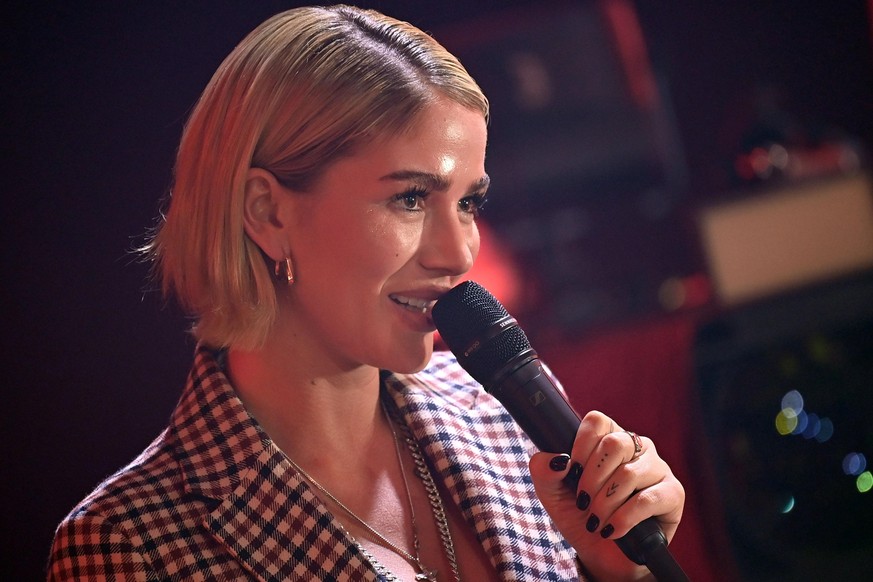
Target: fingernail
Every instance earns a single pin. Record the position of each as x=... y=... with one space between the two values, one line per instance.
x=575 y=473
x=583 y=500
x=593 y=522
x=607 y=531
x=559 y=463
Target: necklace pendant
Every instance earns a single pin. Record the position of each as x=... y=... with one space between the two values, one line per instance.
x=426 y=576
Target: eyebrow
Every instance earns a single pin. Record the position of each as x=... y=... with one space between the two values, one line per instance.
x=432 y=181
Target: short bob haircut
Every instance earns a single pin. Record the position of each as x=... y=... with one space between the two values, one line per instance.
x=306 y=87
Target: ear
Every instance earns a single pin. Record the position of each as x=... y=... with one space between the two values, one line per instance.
x=263 y=195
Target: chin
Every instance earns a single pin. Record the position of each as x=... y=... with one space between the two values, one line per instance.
x=410 y=362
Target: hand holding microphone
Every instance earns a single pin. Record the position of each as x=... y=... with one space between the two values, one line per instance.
x=614 y=464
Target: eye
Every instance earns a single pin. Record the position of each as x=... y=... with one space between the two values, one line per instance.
x=473 y=204
x=411 y=200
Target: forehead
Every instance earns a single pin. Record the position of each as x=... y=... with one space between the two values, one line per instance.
x=443 y=127
x=446 y=141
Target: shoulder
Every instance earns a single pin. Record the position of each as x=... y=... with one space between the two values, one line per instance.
x=97 y=538
x=155 y=473
x=91 y=546
x=107 y=533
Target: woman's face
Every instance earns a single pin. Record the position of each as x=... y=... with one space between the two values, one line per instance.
x=382 y=236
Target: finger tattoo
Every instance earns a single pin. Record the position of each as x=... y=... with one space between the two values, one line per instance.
x=612 y=489
x=602 y=459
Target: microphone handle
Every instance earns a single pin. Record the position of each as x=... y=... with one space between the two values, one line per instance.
x=544 y=414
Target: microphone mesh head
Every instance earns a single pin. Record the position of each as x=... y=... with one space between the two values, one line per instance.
x=463 y=316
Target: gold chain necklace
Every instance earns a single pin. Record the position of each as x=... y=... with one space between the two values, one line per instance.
x=433 y=495
x=424 y=574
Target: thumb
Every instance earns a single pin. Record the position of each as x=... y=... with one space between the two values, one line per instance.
x=555 y=478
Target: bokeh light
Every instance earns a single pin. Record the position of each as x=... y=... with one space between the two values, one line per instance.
x=786 y=421
x=864 y=482
x=802 y=423
x=826 y=432
x=854 y=464
x=793 y=400
x=813 y=426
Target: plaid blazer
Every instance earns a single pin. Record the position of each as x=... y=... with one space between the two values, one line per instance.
x=213 y=498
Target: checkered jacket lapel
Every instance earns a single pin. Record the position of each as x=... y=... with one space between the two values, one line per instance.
x=265 y=512
x=480 y=454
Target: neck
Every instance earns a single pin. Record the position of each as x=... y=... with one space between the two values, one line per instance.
x=313 y=409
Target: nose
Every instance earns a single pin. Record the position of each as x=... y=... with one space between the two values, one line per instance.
x=449 y=245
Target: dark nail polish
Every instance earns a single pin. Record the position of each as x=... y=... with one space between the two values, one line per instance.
x=583 y=500
x=593 y=522
x=574 y=474
x=559 y=463
x=607 y=531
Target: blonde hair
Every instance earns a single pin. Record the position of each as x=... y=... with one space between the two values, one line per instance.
x=306 y=87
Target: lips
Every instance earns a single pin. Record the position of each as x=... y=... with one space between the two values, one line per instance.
x=413 y=303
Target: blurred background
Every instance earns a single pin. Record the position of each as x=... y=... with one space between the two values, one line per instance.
x=681 y=219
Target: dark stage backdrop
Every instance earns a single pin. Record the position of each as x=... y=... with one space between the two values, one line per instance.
x=94 y=95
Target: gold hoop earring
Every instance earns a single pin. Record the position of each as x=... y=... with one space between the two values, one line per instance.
x=285 y=265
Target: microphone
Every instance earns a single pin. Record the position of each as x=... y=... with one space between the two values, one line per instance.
x=493 y=349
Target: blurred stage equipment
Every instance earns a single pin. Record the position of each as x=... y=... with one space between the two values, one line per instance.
x=585 y=158
x=795 y=234
x=785 y=370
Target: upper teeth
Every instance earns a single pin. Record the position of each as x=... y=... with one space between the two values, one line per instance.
x=412 y=302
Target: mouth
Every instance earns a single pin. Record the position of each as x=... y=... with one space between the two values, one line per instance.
x=413 y=304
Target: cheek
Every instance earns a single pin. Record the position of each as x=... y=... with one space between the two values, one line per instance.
x=392 y=240
x=406 y=240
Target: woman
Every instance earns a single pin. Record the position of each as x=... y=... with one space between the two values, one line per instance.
x=325 y=196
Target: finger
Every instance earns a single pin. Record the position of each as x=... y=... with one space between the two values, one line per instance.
x=609 y=481
x=664 y=499
x=606 y=481
x=594 y=426
x=621 y=483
